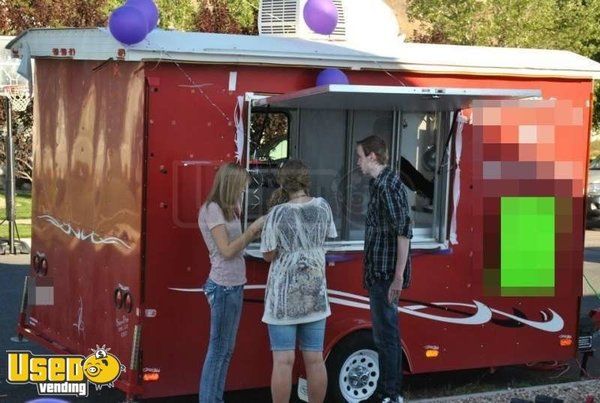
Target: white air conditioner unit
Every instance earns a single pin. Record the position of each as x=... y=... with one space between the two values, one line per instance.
x=285 y=18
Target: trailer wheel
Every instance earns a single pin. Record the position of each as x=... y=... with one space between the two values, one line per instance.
x=353 y=368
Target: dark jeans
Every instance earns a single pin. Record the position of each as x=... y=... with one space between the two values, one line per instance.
x=386 y=335
x=225 y=312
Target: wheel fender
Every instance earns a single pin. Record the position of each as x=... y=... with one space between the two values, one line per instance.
x=337 y=330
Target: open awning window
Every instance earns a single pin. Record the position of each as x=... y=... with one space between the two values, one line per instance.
x=408 y=99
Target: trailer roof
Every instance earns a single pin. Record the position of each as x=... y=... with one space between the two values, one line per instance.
x=198 y=47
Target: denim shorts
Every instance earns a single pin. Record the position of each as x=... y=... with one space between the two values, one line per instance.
x=309 y=335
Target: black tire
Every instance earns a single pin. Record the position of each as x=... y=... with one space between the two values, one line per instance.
x=356 y=345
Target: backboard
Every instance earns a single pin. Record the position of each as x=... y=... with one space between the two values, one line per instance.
x=12 y=84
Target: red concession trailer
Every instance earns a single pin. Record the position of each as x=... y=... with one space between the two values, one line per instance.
x=492 y=144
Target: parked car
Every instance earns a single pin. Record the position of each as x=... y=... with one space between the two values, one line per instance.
x=593 y=194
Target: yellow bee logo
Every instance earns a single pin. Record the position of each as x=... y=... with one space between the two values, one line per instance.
x=102 y=368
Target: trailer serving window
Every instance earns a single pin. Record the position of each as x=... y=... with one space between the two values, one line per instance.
x=268 y=146
x=326 y=123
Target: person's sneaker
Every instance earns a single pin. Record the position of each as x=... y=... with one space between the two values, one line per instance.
x=398 y=399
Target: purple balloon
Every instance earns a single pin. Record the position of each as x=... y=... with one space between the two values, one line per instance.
x=331 y=76
x=148 y=8
x=321 y=16
x=128 y=25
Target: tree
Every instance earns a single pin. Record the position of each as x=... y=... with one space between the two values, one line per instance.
x=228 y=16
x=547 y=24
x=19 y=15
x=178 y=14
x=267 y=131
x=184 y=15
x=232 y=16
x=22 y=141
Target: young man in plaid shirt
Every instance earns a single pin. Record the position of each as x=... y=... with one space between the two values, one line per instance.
x=386 y=261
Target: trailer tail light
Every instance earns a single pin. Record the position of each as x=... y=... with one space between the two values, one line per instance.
x=118 y=298
x=151 y=374
x=122 y=299
x=151 y=377
x=566 y=340
x=432 y=351
x=40 y=264
x=128 y=302
x=43 y=266
x=36 y=262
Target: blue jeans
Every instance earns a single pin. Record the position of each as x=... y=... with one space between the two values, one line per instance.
x=386 y=335
x=225 y=312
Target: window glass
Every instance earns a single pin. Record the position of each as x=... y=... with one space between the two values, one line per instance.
x=322 y=147
x=326 y=141
x=419 y=161
x=364 y=124
x=269 y=132
x=269 y=146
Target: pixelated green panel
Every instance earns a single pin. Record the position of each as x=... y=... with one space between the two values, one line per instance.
x=527 y=245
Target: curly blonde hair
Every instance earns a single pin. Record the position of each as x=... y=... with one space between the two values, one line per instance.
x=291 y=177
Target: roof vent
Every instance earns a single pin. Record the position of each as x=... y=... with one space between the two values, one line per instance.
x=284 y=18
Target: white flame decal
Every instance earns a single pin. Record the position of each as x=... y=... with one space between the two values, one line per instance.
x=483 y=313
x=81 y=235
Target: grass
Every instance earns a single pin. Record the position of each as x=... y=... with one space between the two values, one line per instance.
x=23 y=214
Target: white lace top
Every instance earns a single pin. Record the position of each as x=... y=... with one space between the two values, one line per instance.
x=296 y=287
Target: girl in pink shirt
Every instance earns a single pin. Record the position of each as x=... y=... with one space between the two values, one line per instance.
x=219 y=222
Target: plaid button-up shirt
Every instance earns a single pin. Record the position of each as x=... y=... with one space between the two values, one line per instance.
x=387 y=218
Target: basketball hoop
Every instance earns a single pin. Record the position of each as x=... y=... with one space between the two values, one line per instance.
x=18 y=96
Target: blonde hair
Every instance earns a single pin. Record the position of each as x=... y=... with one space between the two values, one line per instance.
x=291 y=177
x=230 y=181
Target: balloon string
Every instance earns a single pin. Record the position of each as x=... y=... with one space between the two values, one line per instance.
x=214 y=105
x=389 y=74
x=194 y=84
x=210 y=101
x=374 y=61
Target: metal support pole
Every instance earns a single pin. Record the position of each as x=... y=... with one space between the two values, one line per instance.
x=10 y=179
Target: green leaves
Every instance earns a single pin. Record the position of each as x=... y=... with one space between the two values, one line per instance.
x=177 y=14
x=548 y=24
x=233 y=16
x=545 y=24
x=228 y=16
